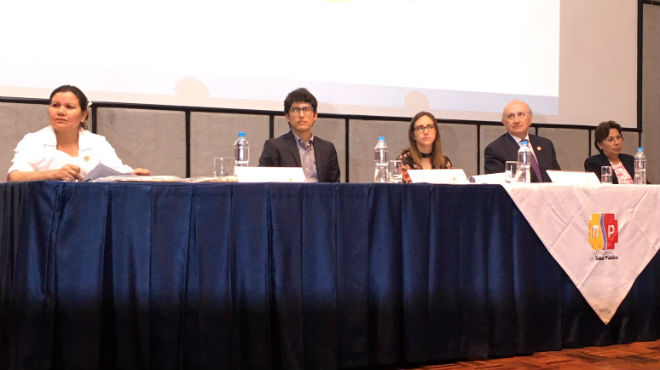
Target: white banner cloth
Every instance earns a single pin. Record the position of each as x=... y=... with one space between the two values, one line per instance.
x=603 y=236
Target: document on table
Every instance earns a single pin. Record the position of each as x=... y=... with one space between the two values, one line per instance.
x=102 y=170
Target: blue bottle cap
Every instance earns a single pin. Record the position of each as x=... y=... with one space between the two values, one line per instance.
x=640 y=149
x=381 y=138
x=241 y=134
x=523 y=142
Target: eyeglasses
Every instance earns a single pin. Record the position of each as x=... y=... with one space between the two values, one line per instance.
x=611 y=139
x=306 y=109
x=429 y=126
x=514 y=115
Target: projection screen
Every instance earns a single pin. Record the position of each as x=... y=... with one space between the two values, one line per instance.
x=573 y=61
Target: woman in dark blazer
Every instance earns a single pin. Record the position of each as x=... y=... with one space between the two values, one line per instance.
x=609 y=143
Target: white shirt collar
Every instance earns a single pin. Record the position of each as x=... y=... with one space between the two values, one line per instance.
x=518 y=140
x=84 y=138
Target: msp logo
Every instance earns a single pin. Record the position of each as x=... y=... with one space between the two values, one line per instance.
x=603 y=235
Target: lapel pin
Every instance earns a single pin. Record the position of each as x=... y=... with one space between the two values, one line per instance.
x=538 y=148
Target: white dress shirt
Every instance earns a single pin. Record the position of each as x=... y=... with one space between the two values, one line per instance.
x=37 y=151
x=529 y=143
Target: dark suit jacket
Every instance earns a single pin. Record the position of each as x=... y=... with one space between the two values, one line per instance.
x=594 y=163
x=505 y=149
x=283 y=152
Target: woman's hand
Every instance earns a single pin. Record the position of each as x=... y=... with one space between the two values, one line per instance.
x=69 y=172
x=141 y=172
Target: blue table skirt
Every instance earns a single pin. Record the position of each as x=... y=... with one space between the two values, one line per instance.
x=292 y=276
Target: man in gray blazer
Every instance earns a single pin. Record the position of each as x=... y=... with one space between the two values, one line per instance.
x=517 y=118
x=299 y=147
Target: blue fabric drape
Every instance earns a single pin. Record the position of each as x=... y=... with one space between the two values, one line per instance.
x=285 y=276
x=11 y=209
x=30 y=319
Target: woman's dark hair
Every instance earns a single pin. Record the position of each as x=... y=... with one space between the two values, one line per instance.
x=82 y=99
x=437 y=156
x=300 y=95
x=603 y=131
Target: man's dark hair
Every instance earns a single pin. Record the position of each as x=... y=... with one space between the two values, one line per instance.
x=299 y=95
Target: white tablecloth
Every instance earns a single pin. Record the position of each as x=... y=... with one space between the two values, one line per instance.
x=603 y=236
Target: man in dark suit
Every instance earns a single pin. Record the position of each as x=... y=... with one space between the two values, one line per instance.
x=517 y=118
x=298 y=147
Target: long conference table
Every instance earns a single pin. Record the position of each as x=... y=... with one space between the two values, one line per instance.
x=291 y=276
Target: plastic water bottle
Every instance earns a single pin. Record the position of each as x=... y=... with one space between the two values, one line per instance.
x=640 y=166
x=380 y=159
x=523 y=173
x=241 y=151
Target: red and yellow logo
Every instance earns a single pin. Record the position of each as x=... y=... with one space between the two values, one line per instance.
x=603 y=231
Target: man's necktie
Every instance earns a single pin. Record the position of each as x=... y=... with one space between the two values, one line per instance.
x=536 y=168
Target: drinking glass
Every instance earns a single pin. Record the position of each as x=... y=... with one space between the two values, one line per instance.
x=510 y=168
x=223 y=166
x=606 y=174
x=395 y=171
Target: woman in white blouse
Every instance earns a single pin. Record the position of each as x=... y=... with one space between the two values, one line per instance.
x=65 y=150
